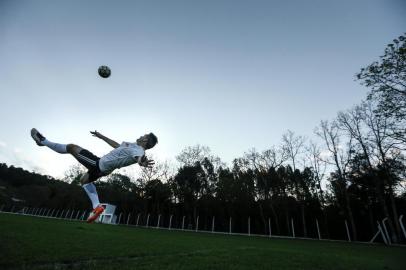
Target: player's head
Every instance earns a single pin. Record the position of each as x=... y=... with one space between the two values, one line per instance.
x=147 y=141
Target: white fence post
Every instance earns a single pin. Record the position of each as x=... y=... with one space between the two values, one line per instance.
x=249 y=225
x=269 y=227
x=183 y=222
x=318 y=230
x=386 y=231
x=348 y=231
x=229 y=227
x=401 y=225
x=77 y=215
x=147 y=220
x=119 y=218
x=128 y=218
x=170 y=222
x=212 y=224
x=197 y=223
x=379 y=232
x=159 y=219
x=293 y=228
x=138 y=218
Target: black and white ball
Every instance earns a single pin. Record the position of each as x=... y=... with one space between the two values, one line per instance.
x=104 y=71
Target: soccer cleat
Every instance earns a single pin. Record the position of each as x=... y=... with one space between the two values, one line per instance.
x=95 y=214
x=38 y=138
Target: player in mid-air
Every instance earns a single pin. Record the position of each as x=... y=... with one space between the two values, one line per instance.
x=122 y=155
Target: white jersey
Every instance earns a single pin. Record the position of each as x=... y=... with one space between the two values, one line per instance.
x=124 y=155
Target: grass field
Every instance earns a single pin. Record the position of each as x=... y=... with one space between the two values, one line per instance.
x=39 y=243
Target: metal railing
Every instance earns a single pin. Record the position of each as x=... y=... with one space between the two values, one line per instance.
x=81 y=215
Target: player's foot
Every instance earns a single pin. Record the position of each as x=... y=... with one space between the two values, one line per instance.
x=38 y=138
x=95 y=214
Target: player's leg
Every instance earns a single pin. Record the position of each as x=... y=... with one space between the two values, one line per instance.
x=72 y=149
x=42 y=141
x=87 y=159
x=90 y=161
x=91 y=192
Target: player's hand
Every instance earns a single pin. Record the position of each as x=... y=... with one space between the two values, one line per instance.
x=95 y=133
x=148 y=163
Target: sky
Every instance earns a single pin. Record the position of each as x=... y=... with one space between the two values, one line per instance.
x=231 y=75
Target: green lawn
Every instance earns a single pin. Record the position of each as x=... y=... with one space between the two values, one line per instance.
x=40 y=243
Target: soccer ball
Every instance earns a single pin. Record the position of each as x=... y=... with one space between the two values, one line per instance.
x=104 y=71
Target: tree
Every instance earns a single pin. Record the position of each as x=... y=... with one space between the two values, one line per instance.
x=293 y=146
x=340 y=156
x=383 y=142
x=210 y=165
x=161 y=170
x=387 y=80
x=192 y=154
x=188 y=187
x=74 y=173
x=120 y=182
x=353 y=123
x=158 y=193
x=318 y=165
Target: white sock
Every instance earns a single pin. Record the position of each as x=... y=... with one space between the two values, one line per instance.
x=57 y=147
x=92 y=193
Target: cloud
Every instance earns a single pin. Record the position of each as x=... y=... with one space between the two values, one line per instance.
x=17 y=158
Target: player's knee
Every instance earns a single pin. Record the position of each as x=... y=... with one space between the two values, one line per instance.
x=84 y=179
x=73 y=148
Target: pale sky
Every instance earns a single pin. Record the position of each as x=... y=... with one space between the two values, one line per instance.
x=231 y=75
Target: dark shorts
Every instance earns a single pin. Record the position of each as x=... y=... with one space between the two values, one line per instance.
x=91 y=162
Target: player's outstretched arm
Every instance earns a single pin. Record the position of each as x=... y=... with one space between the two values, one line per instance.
x=112 y=143
x=145 y=162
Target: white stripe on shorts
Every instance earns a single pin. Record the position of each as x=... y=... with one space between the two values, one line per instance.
x=87 y=159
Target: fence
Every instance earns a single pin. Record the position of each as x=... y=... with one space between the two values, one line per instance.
x=146 y=221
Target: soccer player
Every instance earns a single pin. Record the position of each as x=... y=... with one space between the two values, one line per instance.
x=122 y=155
